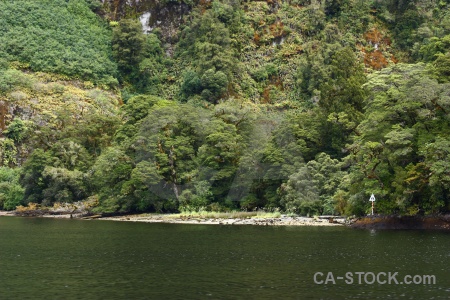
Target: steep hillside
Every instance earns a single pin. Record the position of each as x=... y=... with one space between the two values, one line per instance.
x=307 y=107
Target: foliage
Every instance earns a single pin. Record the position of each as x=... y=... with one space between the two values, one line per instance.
x=393 y=149
x=310 y=190
x=11 y=193
x=63 y=37
x=306 y=107
x=207 y=44
x=127 y=44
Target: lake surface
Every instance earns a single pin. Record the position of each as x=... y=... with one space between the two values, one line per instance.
x=78 y=259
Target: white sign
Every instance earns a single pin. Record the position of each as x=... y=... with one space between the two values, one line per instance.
x=372 y=198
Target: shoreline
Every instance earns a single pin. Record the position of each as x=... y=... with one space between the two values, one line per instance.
x=283 y=220
x=391 y=222
x=258 y=221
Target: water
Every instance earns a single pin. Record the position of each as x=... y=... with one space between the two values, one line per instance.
x=144 y=19
x=76 y=259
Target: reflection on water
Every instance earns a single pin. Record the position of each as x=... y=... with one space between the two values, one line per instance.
x=61 y=259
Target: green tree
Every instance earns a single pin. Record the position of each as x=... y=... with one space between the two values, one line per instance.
x=169 y=138
x=442 y=68
x=311 y=189
x=143 y=191
x=437 y=156
x=302 y=194
x=32 y=179
x=196 y=199
x=17 y=130
x=206 y=44
x=405 y=112
x=334 y=7
x=277 y=154
x=214 y=84
x=11 y=193
x=128 y=43
x=110 y=172
x=341 y=100
x=154 y=69
x=219 y=156
x=64 y=186
x=435 y=48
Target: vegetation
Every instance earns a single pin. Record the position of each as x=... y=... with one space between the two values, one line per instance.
x=303 y=107
x=63 y=37
x=226 y=215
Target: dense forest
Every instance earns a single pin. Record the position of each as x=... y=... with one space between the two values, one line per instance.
x=301 y=106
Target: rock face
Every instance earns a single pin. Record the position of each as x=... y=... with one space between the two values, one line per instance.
x=165 y=15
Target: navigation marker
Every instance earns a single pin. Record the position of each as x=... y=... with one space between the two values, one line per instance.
x=372 y=199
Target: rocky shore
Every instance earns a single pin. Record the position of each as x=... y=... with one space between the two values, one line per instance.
x=6 y=213
x=440 y=222
x=264 y=221
x=282 y=220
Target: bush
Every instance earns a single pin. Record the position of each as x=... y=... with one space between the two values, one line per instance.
x=11 y=193
x=58 y=36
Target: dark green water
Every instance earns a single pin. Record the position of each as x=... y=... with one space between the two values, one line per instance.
x=74 y=259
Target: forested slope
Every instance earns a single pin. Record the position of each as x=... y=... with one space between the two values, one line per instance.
x=307 y=107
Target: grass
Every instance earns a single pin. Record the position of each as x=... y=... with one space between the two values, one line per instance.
x=227 y=215
x=264 y=215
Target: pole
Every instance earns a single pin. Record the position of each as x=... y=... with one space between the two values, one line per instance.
x=372 y=199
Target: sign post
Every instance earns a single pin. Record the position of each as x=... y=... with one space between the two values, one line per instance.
x=372 y=199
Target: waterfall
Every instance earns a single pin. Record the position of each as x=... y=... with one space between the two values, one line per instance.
x=145 y=18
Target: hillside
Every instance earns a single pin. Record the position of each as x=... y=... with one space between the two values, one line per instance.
x=307 y=107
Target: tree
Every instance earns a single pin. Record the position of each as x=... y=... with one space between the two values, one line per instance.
x=32 y=179
x=11 y=193
x=110 y=172
x=334 y=7
x=435 y=48
x=437 y=155
x=214 y=84
x=442 y=68
x=301 y=194
x=154 y=69
x=206 y=44
x=219 y=156
x=128 y=43
x=17 y=130
x=64 y=186
x=406 y=111
x=196 y=199
x=144 y=192
x=169 y=138
x=311 y=189
x=277 y=148
x=341 y=99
